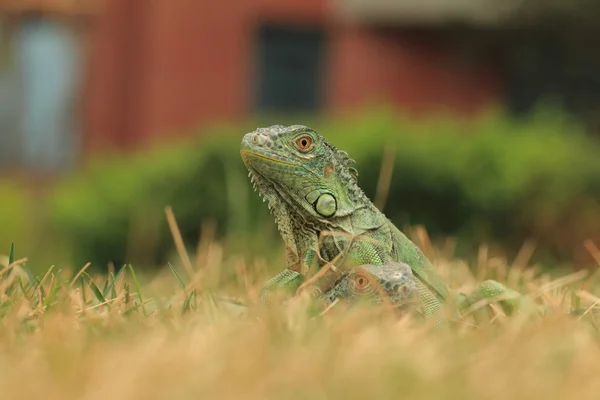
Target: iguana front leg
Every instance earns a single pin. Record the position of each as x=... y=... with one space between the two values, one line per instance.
x=323 y=275
x=301 y=254
x=287 y=280
x=290 y=279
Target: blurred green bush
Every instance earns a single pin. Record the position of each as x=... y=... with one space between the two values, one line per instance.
x=15 y=215
x=495 y=179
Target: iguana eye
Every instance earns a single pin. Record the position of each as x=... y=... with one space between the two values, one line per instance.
x=304 y=143
x=361 y=282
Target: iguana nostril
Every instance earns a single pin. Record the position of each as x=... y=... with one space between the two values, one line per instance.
x=401 y=288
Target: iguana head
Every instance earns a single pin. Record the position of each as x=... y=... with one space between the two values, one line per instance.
x=296 y=166
x=376 y=284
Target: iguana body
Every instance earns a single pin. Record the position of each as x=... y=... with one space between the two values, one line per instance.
x=323 y=216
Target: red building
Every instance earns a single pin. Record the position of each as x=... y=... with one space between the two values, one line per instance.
x=161 y=67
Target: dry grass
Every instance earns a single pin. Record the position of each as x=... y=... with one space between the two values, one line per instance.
x=73 y=336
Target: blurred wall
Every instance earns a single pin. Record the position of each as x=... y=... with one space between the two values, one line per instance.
x=9 y=101
x=157 y=68
x=160 y=66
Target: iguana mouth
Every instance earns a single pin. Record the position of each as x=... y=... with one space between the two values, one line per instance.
x=256 y=147
x=248 y=154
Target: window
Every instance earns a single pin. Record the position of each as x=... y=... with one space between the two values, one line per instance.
x=290 y=63
x=9 y=101
x=557 y=68
x=38 y=82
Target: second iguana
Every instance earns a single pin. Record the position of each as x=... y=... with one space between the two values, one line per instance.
x=394 y=284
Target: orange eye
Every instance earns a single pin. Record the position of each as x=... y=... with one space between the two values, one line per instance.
x=361 y=281
x=304 y=142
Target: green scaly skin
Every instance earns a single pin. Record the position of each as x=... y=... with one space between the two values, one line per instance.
x=375 y=284
x=395 y=282
x=311 y=189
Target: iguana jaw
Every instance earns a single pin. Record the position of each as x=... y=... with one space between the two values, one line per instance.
x=249 y=157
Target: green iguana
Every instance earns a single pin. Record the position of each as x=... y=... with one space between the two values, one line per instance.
x=324 y=217
x=393 y=283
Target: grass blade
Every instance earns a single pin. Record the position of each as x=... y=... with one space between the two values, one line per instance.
x=114 y=279
x=174 y=271
x=137 y=288
x=187 y=304
x=11 y=254
x=106 y=288
x=22 y=286
x=33 y=280
x=54 y=285
x=94 y=288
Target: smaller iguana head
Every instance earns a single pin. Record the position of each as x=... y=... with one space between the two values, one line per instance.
x=376 y=284
x=298 y=166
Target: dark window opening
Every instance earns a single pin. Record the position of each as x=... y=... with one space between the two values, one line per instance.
x=290 y=63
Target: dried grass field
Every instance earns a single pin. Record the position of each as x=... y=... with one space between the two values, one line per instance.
x=70 y=334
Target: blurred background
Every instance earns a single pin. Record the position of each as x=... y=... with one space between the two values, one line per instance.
x=487 y=114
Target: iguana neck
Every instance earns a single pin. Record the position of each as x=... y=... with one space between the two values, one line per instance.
x=292 y=227
x=300 y=230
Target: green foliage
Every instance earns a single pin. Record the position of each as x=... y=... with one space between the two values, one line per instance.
x=121 y=196
x=78 y=335
x=14 y=213
x=495 y=178
x=490 y=179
